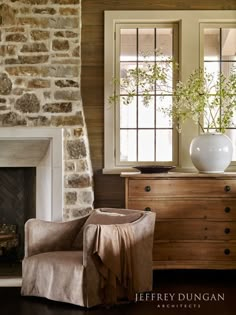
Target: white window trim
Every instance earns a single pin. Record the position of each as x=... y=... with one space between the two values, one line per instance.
x=189 y=36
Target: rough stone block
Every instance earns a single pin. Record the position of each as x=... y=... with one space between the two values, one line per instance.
x=28 y=103
x=76 y=149
x=81 y=165
x=12 y=61
x=17 y=91
x=85 y=197
x=38 y=121
x=67 y=95
x=78 y=132
x=34 y=47
x=66 y=83
x=39 y=35
x=76 y=52
x=38 y=84
x=60 y=44
x=33 y=59
x=70 y=197
x=67 y=34
x=69 y=166
x=63 y=71
x=5 y=84
x=50 y=11
x=3 y=107
x=63 y=107
x=7 y=50
x=12 y=119
x=25 y=10
x=77 y=181
x=15 y=29
x=18 y=37
x=68 y=120
x=7 y=15
x=68 y=11
x=39 y=22
x=63 y=23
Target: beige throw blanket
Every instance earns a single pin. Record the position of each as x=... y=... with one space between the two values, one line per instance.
x=113 y=253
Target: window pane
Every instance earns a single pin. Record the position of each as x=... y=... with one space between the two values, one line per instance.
x=146 y=145
x=164 y=42
x=146 y=114
x=228 y=43
x=127 y=85
x=128 y=44
x=228 y=67
x=162 y=119
x=212 y=44
x=167 y=69
x=145 y=68
x=211 y=115
x=128 y=145
x=164 y=145
x=212 y=68
x=128 y=114
x=146 y=44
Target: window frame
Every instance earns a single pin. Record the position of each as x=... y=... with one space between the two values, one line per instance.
x=119 y=26
x=189 y=31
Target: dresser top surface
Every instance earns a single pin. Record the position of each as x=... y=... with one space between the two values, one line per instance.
x=136 y=175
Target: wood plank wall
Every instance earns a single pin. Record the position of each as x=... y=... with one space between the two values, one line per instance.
x=109 y=189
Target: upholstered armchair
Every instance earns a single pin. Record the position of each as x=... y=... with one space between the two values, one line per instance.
x=101 y=258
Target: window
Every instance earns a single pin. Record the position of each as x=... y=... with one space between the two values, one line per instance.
x=136 y=134
x=219 y=57
x=137 y=47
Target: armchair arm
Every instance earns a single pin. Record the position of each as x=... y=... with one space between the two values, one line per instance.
x=44 y=236
x=88 y=243
x=143 y=231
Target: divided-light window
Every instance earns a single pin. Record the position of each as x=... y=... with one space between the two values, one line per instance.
x=143 y=133
x=219 y=57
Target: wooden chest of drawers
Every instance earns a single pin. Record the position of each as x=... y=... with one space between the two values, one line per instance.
x=195 y=217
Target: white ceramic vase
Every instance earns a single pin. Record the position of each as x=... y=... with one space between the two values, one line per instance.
x=211 y=152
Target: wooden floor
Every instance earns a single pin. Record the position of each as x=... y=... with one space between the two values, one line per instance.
x=178 y=282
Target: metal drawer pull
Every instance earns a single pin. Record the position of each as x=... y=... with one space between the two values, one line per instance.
x=147 y=188
x=227 y=209
x=227 y=251
x=148 y=209
x=227 y=188
x=227 y=230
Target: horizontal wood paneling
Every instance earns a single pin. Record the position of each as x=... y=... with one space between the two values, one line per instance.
x=92 y=54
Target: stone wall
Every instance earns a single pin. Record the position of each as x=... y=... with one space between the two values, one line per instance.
x=40 y=83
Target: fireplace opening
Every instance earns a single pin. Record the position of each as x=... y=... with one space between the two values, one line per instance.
x=17 y=205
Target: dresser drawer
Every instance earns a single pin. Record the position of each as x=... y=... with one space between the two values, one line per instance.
x=224 y=209
x=195 y=230
x=149 y=188
x=177 y=251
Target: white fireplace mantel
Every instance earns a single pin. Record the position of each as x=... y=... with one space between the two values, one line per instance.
x=41 y=148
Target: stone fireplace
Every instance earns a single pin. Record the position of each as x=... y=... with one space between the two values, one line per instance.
x=41 y=109
x=42 y=123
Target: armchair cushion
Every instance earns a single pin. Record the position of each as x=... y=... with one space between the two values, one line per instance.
x=47 y=273
x=104 y=218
